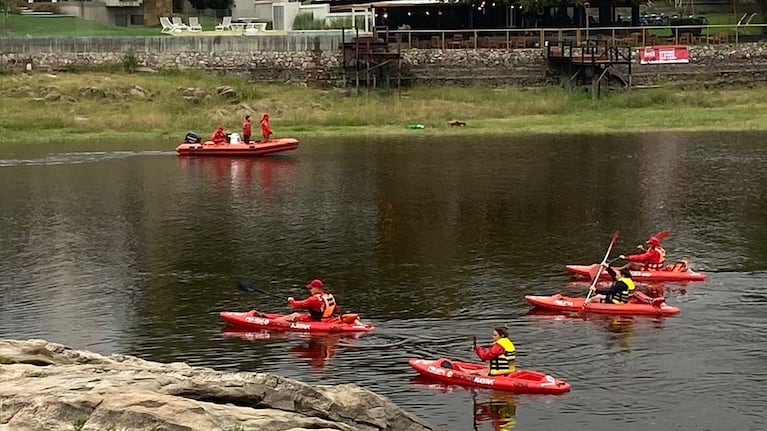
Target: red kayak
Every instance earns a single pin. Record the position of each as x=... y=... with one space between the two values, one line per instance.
x=252 y=149
x=569 y=304
x=521 y=381
x=670 y=273
x=254 y=320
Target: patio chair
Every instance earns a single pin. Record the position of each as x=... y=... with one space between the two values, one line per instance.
x=226 y=24
x=167 y=26
x=179 y=23
x=194 y=24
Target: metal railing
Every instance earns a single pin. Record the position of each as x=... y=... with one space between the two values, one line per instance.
x=612 y=36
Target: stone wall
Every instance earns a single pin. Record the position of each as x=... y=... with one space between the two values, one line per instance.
x=296 y=59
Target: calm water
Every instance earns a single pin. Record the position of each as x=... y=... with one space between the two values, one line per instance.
x=132 y=250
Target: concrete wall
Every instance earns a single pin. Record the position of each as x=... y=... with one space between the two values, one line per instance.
x=292 y=59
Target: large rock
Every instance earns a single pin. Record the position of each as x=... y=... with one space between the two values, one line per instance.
x=48 y=386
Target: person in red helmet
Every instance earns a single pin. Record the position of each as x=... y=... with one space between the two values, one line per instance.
x=320 y=305
x=653 y=257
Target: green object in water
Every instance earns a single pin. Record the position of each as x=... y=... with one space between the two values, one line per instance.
x=415 y=126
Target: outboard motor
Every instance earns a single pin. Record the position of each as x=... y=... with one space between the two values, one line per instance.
x=192 y=138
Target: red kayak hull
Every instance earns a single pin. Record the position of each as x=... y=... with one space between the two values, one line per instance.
x=254 y=149
x=569 y=304
x=662 y=275
x=521 y=381
x=253 y=320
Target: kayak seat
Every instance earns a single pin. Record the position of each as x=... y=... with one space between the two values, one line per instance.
x=350 y=318
x=643 y=298
x=679 y=266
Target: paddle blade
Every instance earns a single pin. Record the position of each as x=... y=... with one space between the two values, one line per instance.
x=662 y=234
x=248 y=286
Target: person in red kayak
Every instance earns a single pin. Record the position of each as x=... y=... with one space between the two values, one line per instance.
x=266 y=130
x=653 y=257
x=620 y=292
x=218 y=137
x=319 y=305
x=246 y=130
x=502 y=354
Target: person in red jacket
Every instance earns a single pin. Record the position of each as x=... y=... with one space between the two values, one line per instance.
x=502 y=354
x=218 y=137
x=246 y=130
x=319 y=305
x=653 y=257
x=266 y=130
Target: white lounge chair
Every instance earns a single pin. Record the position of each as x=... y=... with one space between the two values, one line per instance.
x=194 y=24
x=226 y=24
x=179 y=23
x=167 y=26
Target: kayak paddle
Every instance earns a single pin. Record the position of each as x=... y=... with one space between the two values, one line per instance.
x=599 y=271
x=251 y=287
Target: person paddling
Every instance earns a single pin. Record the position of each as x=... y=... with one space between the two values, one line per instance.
x=620 y=292
x=319 y=305
x=502 y=354
x=652 y=258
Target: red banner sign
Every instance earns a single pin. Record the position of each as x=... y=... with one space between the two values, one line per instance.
x=664 y=54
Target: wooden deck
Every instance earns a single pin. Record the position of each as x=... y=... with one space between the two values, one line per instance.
x=591 y=64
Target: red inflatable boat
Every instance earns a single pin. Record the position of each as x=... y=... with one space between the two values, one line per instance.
x=254 y=320
x=252 y=149
x=521 y=381
x=667 y=274
x=568 y=304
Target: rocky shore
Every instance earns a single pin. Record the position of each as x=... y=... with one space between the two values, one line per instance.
x=48 y=386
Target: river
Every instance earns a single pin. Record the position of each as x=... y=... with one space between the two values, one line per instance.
x=124 y=248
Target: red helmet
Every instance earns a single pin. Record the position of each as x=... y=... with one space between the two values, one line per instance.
x=655 y=242
x=315 y=283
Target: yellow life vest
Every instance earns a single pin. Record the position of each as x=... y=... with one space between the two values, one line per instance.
x=504 y=364
x=626 y=294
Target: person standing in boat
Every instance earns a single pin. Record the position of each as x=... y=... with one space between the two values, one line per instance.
x=622 y=289
x=246 y=130
x=266 y=130
x=218 y=137
x=652 y=258
x=320 y=305
x=502 y=354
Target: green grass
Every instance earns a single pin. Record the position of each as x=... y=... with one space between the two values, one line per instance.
x=718 y=19
x=44 y=26
x=99 y=106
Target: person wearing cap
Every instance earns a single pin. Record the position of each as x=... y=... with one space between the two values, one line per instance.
x=622 y=289
x=652 y=258
x=319 y=305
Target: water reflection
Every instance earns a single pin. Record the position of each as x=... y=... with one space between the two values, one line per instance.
x=316 y=349
x=241 y=174
x=494 y=408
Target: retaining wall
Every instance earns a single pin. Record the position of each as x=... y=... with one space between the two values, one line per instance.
x=317 y=59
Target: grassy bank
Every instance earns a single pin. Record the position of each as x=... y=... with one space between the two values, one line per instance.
x=92 y=106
